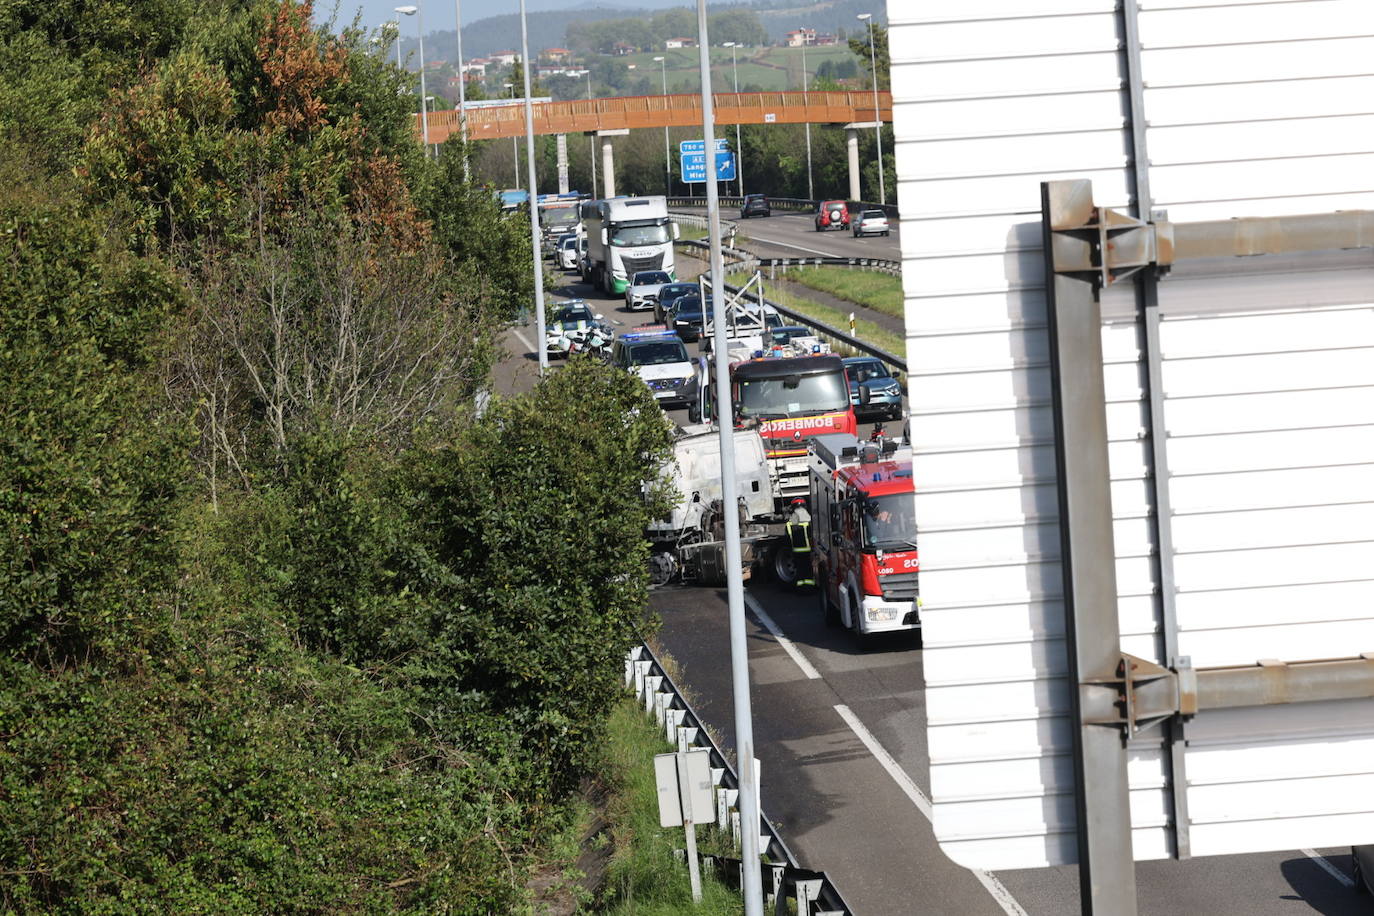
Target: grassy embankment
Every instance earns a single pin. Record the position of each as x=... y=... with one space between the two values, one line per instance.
x=867 y=331
x=643 y=877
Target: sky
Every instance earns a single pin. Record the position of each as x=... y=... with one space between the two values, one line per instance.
x=439 y=14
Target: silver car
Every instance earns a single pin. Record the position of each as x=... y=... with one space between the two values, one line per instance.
x=642 y=292
x=871 y=222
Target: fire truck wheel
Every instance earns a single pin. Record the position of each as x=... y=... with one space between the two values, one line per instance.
x=828 y=609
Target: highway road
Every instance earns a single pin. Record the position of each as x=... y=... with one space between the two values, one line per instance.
x=788 y=234
x=841 y=736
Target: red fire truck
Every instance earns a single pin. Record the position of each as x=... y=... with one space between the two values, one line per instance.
x=789 y=400
x=863 y=533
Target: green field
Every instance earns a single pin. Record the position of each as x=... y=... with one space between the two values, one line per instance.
x=767 y=69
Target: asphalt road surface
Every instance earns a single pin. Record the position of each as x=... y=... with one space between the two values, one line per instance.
x=840 y=734
x=787 y=234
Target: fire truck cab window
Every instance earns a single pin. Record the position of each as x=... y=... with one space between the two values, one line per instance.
x=779 y=396
x=889 y=521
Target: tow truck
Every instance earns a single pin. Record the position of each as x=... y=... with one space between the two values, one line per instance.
x=863 y=530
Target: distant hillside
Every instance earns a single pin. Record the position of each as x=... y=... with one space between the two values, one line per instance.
x=824 y=16
x=501 y=33
x=548 y=28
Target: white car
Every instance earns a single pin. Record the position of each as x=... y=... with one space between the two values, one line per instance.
x=642 y=292
x=871 y=222
x=658 y=356
x=567 y=252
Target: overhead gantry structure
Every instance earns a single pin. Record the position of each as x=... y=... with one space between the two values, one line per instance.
x=611 y=117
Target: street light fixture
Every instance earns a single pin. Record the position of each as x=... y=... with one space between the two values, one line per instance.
x=739 y=147
x=667 y=161
x=806 y=103
x=420 y=29
x=877 y=118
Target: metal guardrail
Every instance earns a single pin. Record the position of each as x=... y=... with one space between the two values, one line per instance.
x=813 y=893
x=786 y=203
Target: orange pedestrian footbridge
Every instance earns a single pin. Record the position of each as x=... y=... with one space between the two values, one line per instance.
x=633 y=112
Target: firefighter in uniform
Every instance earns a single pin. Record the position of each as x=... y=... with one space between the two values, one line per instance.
x=799 y=536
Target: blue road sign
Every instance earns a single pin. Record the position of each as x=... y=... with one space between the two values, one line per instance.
x=692 y=165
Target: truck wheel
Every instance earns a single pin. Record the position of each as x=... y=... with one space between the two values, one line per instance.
x=785 y=566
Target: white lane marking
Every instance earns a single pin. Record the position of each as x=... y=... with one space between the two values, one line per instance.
x=828 y=254
x=1326 y=866
x=995 y=888
x=783 y=641
x=522 y=339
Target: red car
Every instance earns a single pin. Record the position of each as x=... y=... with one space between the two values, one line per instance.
x=832 y=214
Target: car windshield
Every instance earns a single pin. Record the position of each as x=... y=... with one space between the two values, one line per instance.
x=674 y=290
x=658 y=353
x=890 y=521
x=793 y=395
x=575 y=313
x=568 y=242
x=650 y=277
x=633 y=236
x=562 y=216
x=869 y=369
x=687 y=309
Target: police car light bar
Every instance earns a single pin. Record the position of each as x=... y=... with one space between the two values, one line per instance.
x=649 y=331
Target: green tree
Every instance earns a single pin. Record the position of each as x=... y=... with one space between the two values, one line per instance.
x=859 y=45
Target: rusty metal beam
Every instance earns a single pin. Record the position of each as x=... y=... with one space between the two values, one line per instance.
x=1270 y=682
x=1224 y=238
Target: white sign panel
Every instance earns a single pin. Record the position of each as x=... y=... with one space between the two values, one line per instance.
x=685 y=790
x=1268 y=409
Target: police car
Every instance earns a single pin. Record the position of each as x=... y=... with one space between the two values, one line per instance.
x=659 y=357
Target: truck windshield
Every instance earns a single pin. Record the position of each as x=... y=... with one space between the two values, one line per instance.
x=890 y=521
x=634 y=236
x=791 y=396
x=562 y=216
x=658 y=354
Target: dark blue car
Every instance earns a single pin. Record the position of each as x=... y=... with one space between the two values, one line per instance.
x=884 y=390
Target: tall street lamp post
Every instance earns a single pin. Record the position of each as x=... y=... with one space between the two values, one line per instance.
x=591 y=137
x=536 y=252
x=420 y=29
x=515 y=144
x=877 y=119
x=739 y=147
x=667 y=162
x=806 y=103
x=394 y=25
x=750 y=878
x=462 y=88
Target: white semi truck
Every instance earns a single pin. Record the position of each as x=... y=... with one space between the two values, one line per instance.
x=626 y=235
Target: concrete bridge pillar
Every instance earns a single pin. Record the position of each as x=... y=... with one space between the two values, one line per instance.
x=851 y=138
x=608 y=160
x=851 y=143
x=561 y=142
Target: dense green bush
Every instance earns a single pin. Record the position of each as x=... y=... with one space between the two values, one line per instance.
x=283 y=628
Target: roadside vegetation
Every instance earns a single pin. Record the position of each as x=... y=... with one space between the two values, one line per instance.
x=866 y=331
x=283 y=626
x=644 y=877
x=869 y=288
